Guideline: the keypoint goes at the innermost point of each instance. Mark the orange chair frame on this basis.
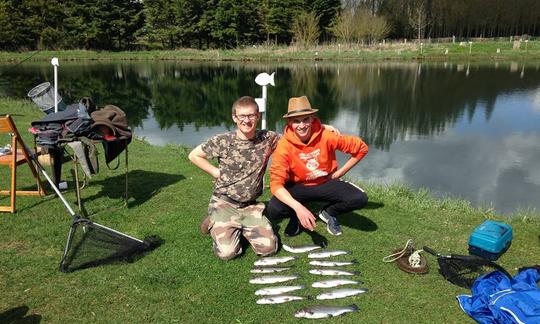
(18, 156)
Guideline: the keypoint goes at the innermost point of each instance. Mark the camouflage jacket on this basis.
(241, 163)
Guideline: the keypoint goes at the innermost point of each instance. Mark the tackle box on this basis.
(490, 239)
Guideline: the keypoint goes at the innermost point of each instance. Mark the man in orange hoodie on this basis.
(304, 168)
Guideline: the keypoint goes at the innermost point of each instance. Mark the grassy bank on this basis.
(183, 282)
(485, 50)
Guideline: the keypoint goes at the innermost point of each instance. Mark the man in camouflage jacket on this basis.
(242, 157)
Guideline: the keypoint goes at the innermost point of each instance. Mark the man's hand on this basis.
(335, 175)
(332, 129)
(305, 217)
(198, 157)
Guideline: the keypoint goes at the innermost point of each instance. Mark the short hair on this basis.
(245, 101)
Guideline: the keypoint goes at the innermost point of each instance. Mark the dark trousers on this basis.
(341, 196)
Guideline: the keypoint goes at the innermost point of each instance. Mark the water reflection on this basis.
(465, 129)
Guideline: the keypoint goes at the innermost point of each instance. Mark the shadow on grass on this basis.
(142, 185)
(316, 237)
(37, 200)
(373, 205)
(358, 222)
(18, 315)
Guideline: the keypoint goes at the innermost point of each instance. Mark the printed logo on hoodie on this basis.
(312, 164)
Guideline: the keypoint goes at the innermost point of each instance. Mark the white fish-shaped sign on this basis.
(280, 299)
(333, 272)
(333, 283)
(269, 261)
(301, 249)
(269, 270)
(264, 78)
(277, 290)
(326, 254)
(325, 263)
(322, 311)
(341, 293)
(272, 279)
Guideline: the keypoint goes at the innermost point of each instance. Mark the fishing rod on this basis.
(19, 63)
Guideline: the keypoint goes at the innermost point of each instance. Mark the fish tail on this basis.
(354, 307)
(354, 261)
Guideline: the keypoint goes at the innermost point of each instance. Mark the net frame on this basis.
(90, 244)
(463, 270)
(134, 247)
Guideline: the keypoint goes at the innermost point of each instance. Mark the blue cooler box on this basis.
(490, 240)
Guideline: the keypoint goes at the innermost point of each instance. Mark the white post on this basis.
(264, 98)
(55, 64)
(264, 79)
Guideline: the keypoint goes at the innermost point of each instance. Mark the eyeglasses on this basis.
(245, 117)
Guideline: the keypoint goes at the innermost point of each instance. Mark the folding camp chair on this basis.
(19, 155)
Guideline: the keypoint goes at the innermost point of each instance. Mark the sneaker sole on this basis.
(328, 230)
(323, 218)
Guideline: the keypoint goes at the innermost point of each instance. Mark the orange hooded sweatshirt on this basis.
(310, 163)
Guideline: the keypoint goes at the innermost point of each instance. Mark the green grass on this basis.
(182, 281)
(396, 51)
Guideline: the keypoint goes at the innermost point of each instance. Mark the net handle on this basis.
(431, 251)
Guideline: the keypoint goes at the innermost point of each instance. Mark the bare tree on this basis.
(306, 29)
(417, 17)
(362, 20)
(379, 28)
(345, 28)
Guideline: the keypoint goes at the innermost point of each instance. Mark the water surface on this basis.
(466, 130)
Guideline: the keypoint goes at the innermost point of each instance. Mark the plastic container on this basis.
(43, 96)
(490, 239)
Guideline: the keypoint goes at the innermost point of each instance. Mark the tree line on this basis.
(203, 24)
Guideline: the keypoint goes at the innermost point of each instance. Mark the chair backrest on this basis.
(8, 126)
(5, 124)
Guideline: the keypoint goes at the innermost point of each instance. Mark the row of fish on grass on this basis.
(270, 269)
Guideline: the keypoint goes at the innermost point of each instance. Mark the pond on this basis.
(466, 130)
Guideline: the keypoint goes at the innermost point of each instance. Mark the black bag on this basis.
(113, 148)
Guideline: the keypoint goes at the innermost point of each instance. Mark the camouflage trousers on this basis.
(228, 222)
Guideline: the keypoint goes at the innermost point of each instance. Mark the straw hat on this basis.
(299, 106)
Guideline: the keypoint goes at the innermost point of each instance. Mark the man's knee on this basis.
(227, 253)
(275, 209)
(266, 248)
(359, 200)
